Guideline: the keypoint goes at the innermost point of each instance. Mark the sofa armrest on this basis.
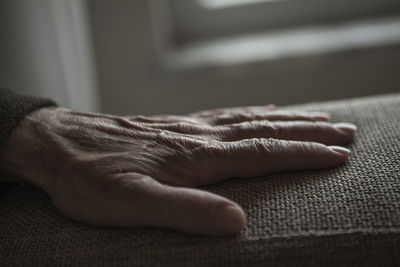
(345, 216)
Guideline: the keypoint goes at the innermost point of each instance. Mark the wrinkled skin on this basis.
(143, 171)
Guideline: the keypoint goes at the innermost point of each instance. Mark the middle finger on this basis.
(321, 132)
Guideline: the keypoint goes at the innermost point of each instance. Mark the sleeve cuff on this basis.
(13, 108)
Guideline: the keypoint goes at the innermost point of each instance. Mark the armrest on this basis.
(344, 216)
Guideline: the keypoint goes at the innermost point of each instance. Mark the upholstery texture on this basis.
(347, 216)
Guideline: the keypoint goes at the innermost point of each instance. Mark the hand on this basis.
(142, 171)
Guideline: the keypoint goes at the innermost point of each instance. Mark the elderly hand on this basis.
(142, 171)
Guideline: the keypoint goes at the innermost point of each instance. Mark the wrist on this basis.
(20, 155)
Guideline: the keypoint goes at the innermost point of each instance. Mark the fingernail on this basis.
(229, 220)
(342, 150)
(349, 128)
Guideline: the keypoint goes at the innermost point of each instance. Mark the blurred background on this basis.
(178, 56)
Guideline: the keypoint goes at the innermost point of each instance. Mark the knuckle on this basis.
(240, 130)
(132, 181)
(181, 126)
(308, 146)
(230, 117)
(178, 143)
(319, 127)
(285, 128)
(189, 143)
(251, 129)
(209, 149)
(270, 129)
(163, 136)
(269, 145)
(265, 145)
(141, 118)
(221, 118)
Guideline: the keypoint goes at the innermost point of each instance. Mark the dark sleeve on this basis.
(13, 108)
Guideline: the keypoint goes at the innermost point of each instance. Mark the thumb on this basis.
(194, 211)
(134, 200)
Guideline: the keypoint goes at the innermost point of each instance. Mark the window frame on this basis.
(190, 22)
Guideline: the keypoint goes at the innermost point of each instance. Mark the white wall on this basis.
(45, 51)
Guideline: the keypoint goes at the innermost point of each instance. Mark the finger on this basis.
(142, 201)
(212, 112)
(195, 211)
(278, 115)
(255, 157)
(182, 127)
(321, 132)
(163, 119)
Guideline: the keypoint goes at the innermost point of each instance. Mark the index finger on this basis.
(259, 156)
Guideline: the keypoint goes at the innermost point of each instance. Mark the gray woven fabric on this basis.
(347, 216)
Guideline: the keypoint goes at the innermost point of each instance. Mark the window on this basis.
(197, 20)
(221, 32)
(287, 63)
